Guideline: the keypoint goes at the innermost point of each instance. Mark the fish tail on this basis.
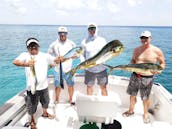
(110, 67)
(33, 91)
(151, 111)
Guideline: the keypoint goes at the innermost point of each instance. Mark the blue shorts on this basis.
(67, 78)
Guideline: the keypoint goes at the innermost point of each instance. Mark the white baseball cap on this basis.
(146, 34)
(62, 29)
(32, 42)
(92, 24)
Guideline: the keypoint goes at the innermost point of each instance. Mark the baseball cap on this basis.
(62, 29)
(32, 42)
(92, 25)
(146, 34)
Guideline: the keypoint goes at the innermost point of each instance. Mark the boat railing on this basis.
(12, 110)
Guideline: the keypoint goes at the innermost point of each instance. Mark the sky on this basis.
(81, 12)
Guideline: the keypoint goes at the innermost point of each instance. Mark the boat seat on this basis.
(98, 109)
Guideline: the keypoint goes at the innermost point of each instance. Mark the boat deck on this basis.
(66, 118)
(66, 115)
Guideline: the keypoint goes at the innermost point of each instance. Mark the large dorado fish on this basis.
(109, 51)
(33, 79)
(76, 51)
(141, 68)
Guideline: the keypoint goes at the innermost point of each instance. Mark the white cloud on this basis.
(21, 11)
(76, 4)
(133, 3)
(93, 4)
(56, 11)
(113, 7)
(72, 6)
(67, 4)
(61, 12)
(17, 6)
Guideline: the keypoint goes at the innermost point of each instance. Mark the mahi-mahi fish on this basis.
(33, 79)
(74, 51)
(141, 68)
(109, 51)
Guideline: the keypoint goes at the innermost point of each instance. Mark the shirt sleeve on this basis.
(51, 49)
(50, 59)
(22, 57)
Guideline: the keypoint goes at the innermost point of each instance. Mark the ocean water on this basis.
(13, 37)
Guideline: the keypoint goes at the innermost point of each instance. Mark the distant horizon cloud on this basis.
(77, 12)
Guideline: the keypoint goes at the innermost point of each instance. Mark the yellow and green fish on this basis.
(33, 79)
(141, 68)
(109, 51)
(74, 51)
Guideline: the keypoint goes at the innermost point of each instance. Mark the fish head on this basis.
(118, 49)
(160, 68)
(116, 46)
(79, 50)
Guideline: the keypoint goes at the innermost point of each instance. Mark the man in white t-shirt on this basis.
(40, 62)
(91, 46)
(59, 48)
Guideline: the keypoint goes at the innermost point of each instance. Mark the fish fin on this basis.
(110, 67)
(111, 71)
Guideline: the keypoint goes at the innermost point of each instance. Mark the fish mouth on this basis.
(79, 51)
(118, 49)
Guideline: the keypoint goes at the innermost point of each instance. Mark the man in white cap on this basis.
(146, 53)
(91, 46)
(59, 48)
(40, 62)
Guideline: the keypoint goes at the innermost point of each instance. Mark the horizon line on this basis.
(86, 25)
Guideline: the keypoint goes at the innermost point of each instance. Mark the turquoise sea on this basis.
(13, 37)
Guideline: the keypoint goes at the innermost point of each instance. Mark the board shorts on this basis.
(142, 83)
(102, 78)
(69, 80)
(32, 100)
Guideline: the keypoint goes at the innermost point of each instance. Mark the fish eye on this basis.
(117, 49)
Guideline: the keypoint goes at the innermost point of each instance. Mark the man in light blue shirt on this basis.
(91, 46)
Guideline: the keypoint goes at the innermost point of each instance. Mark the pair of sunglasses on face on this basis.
(62, 33)
(143, 37)
(92, 28)
(33, 47)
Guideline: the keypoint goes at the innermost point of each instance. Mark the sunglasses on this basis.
(33, 48)
(92, 28)
(62, 33)
(143, 37)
